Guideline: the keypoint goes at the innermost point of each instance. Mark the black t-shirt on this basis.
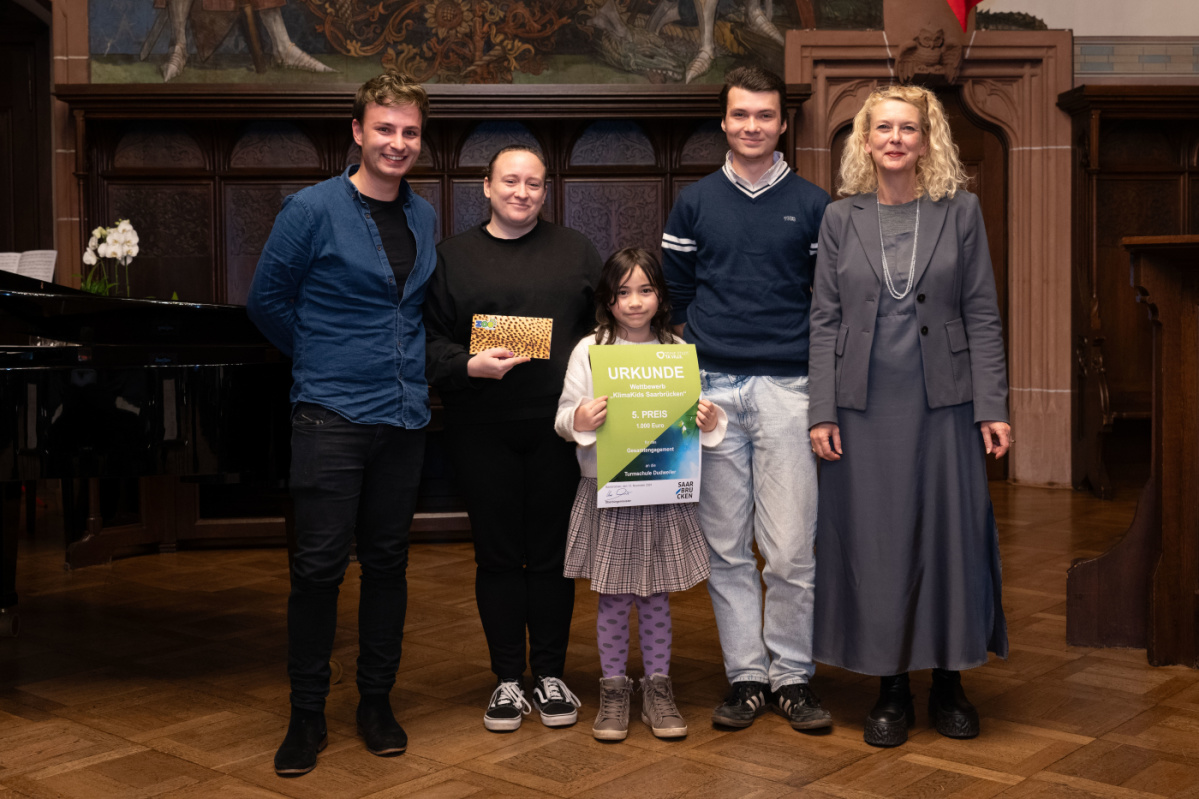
(398, 241)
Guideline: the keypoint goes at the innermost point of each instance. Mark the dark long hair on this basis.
(617, 271)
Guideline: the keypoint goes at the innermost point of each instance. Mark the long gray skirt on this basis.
(907, 551)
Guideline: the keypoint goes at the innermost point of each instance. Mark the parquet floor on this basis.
(163, 676)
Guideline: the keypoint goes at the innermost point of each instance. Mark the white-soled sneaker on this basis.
(555, 702)
(507, 707)
(658, 709)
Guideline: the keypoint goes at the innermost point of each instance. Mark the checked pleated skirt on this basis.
(642, 550)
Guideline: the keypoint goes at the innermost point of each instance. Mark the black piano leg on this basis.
(10, 522)
(31, 508)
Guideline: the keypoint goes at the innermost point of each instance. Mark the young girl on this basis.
(631, 554)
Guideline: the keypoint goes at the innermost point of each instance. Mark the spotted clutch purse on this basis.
(527, 336)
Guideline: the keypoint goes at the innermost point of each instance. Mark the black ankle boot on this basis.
(305, 737)
(378, 726)
(893, 713)
(948, 708)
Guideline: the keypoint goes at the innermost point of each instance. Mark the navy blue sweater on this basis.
(740, 272)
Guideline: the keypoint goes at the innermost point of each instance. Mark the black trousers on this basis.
(519, 480)
(349, 481)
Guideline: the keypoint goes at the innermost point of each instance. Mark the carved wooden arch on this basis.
(1010, 79)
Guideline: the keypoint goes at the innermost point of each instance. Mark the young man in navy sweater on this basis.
(739, 252)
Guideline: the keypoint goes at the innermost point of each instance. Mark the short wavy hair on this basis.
(939, 172)
(388, 89)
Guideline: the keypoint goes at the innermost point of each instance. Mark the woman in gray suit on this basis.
(908, 395)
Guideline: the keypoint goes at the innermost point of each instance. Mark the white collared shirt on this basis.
(777, 172)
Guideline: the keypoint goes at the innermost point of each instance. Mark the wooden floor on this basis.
(164, 676)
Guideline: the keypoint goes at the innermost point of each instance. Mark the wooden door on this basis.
(26, 214)
(984, 155)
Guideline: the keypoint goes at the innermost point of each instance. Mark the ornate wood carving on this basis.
(250, 212)
(706, 146)
(158, 147)
(613, 143)
(615, 214)
(430, 190)
(240, 195)
(470, 205)
(489, 137)
(243, 137)
(175, 228)
(172, 221)
(273, 144)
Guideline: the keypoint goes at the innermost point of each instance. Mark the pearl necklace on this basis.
(883, 247)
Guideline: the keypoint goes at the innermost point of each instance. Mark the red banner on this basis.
(961, 9)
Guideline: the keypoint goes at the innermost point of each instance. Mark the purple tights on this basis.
(653, 628)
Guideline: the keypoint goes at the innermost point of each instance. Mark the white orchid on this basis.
(119, 244)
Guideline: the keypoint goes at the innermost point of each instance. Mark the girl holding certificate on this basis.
(633, 555)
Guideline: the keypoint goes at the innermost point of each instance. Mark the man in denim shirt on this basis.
(339, 288)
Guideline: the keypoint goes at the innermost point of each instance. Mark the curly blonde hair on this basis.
(939, 172)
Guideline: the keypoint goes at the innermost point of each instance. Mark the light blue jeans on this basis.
(759, 484)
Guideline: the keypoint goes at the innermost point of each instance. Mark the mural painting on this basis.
(451, 41)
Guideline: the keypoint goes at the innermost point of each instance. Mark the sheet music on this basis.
(38, 264)
(8, 261)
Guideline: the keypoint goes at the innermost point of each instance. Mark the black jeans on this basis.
(349, 481)
(519, 479)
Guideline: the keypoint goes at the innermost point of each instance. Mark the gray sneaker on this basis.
(658, 710)
(612, 721)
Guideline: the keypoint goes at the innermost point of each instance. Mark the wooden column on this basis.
(1165, 275)
(1142, 591)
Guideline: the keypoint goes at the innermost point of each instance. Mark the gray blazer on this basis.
(956, 308)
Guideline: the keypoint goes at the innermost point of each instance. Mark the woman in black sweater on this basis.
(518, 477)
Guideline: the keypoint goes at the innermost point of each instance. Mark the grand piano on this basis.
(107, 387)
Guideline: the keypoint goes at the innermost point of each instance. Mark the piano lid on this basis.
(47, 310)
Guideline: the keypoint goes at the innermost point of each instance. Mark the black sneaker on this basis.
(745, 702)
(554, 701)
(507, 707)
(798, 704)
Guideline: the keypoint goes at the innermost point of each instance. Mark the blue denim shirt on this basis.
(324, 293)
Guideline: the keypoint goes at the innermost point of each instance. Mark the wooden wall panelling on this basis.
(202, 173)
(617, 213)
(249, 210)
(1135, 174)
(615, 143)
(174, 222)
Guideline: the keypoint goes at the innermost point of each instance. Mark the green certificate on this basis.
(648, 446)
